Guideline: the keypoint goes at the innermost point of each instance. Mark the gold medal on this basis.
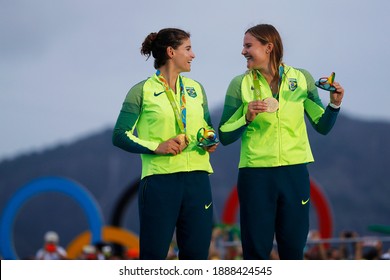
(272, 104)
(183, 141)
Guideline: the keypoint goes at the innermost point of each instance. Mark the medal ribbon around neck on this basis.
(256, 82)
(272, 102)
(180, 113)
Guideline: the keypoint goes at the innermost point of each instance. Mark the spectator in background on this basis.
(132, 254)
(386, 255)
(225, 243)
(371, 249)
(89, 253)
(51, 249)
(103, 251)
(333, 254)
(317, 250)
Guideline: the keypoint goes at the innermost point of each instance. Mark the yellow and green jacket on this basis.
(279, 138)
(147, 119)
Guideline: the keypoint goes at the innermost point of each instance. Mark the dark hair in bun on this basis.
(156, 44)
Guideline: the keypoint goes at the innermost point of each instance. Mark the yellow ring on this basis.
(109, 234)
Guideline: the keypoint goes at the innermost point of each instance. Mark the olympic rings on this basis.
(82, 196)
(98, 232)
(110, 233)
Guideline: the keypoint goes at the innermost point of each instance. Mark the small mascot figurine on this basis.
(326, 83)
(206, 137)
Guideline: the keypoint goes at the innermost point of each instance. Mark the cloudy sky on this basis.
(66, 65)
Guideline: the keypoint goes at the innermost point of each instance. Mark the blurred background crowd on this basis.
(226, 245)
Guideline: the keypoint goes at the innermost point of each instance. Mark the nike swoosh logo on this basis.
(157, 94)
(304, 202)
(207, 206)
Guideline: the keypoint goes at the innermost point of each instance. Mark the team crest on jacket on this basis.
(292, 84)
(191, 92)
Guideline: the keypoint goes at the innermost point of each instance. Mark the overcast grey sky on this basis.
(66, 65)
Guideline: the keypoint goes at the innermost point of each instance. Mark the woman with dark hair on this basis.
(266, 108)
(168, 110)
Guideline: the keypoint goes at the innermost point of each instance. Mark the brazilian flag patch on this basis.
(292, 84)
(191, 92)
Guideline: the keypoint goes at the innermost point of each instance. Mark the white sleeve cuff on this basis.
(334, 106)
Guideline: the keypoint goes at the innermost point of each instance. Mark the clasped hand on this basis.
(254, 108)
(176, 145)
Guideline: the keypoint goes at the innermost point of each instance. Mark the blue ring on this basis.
(82, 196)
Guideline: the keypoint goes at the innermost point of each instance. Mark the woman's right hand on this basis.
(172, 146)
(254, 108)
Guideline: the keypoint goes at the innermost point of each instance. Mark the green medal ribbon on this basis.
(180, 113)
(256, 83)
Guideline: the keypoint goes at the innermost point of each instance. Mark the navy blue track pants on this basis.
(274, 203)
(178, 200)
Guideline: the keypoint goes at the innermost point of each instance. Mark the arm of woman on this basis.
(207, 119)
(322, 119)
(123, 135)
(233, 123)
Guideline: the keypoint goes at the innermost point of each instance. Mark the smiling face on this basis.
(256, 54)
(183, 56)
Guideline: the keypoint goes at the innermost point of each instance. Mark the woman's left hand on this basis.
(337, 96)
(211, 149)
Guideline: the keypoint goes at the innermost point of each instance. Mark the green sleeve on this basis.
(233, 124)
(123, 134)
(320, 118)
(206, 112)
